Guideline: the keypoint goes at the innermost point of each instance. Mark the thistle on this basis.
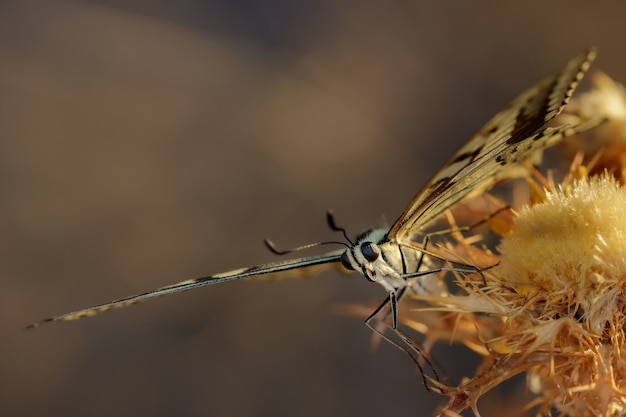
(553, 303)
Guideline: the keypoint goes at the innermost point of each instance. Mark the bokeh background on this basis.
(147, 142)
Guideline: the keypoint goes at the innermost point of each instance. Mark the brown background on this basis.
(142, 143)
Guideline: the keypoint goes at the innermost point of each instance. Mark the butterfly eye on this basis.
(345, 261)
(370, 251)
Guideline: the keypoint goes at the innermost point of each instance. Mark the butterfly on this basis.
(392, 257)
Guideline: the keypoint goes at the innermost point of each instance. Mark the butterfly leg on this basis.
(413, 351)
(465, 268)
(394, 309)
(461, 229)
(393, 300)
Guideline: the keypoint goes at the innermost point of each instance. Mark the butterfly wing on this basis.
(511, 135)
(301, 267)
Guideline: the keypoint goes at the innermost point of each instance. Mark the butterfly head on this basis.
(365, 253)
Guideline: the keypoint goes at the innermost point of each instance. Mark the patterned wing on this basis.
(510, 136)
(298, 267)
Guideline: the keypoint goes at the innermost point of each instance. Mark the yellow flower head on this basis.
(569, 252)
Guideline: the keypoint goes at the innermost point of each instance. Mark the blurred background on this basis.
(147, 142)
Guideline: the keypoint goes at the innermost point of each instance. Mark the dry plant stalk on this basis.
(553, 305)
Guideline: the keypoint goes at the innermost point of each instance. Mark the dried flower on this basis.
(553, 305)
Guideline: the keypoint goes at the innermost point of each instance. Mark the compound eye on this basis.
(370, 251)
(345, 261)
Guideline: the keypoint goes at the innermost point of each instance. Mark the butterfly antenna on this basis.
(275, 250)
(330, 219)
(331, 223)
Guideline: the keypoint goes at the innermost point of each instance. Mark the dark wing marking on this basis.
(302, 266)
(511, 135)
